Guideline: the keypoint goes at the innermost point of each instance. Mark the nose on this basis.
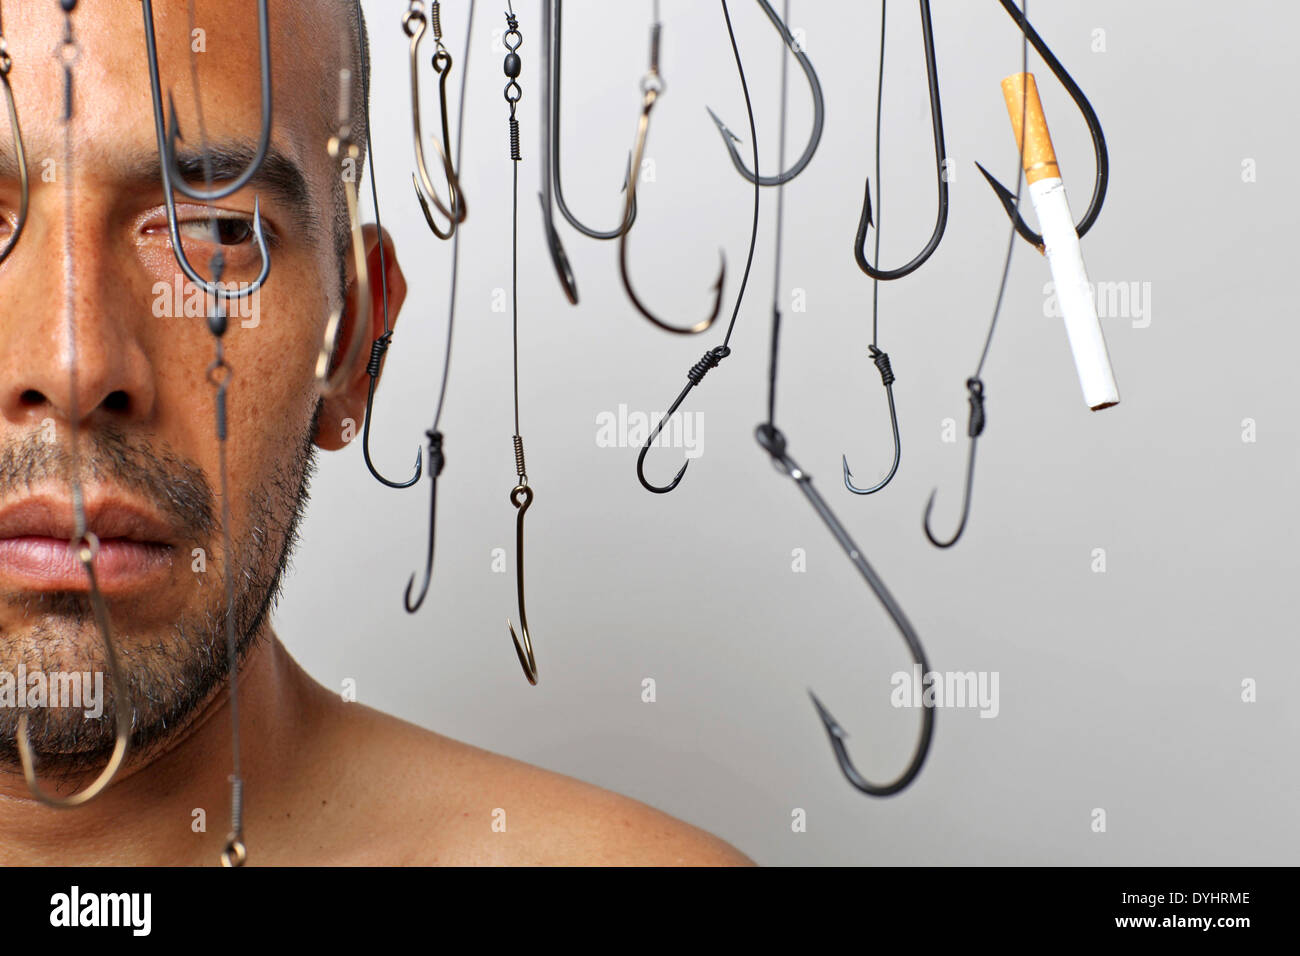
(70, 326)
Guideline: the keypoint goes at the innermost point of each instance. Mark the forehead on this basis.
(112, 99)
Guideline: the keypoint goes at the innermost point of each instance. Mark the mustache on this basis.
(174, 484)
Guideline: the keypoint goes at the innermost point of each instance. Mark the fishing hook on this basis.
(521, 496)
(556, 248)
(940, 158)
(696, 374)
(1005, 196)
(773, 442)
(20, 154)
(974, 426)
(730, 139)
(174, 134)
(342, 149)
(173, 179)
(436, 462)
(887, 378)
(552, 131)
(442, 67)
(651, 86)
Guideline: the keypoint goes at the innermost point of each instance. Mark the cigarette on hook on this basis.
(1061, 242)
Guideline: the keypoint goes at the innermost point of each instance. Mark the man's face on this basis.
(98, 335)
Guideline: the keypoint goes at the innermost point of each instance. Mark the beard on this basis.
(171, 672)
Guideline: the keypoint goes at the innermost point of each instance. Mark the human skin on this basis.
(327, 781)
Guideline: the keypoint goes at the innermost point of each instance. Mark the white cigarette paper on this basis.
(1061, 244)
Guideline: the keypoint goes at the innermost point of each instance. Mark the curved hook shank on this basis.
(974, 427)
(122, 708)
(442, 65)
(174, 134)
(887, 377)
(730, 139)
(941, 218)
(377, 350)
(772, 441)
(694, 376)
(651, 93)
(20, 154)
(521, 496)
(436, 461)
(1100, 153)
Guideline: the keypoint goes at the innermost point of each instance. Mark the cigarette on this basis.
(1061, 242)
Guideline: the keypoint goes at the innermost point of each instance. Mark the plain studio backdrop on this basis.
(1119, 689)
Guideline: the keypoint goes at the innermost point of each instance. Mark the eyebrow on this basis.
(279, 176)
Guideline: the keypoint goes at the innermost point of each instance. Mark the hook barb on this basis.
(730, 139)
(1100, 153)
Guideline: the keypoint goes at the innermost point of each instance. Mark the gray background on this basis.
(1119, 690)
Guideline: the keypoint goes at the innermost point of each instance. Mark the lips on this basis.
(135, 546)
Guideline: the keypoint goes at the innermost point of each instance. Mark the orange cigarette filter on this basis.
(1021, 93)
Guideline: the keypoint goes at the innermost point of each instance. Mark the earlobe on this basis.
(342, 415)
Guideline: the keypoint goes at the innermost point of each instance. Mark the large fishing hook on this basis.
(696, 374)
(887, 378)
(974, 426)
(730, 139)
(551, 130)
(1005, 196)
(173, 178)
(773, 441)
(940, 158)
(521, 496)
(559, 258)
(436, 462)
(651, 86)
(343, 150)
(441, 66)
(20, 154)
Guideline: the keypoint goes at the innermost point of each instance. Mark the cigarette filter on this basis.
(1061, 242)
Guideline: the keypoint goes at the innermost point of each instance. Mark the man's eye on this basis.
(229, 231)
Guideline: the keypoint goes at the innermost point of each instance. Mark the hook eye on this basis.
(521, 496)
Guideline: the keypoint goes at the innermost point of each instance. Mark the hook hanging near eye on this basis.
(651, 86)
(974, 426)
(941, 217)
(730, 139)
(1100, 154)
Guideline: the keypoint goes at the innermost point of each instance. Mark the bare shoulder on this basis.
(447, 802)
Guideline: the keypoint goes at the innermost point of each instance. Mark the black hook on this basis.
(941, 221)
(973, 429)
(435, 469)
(554, 136)
(771, 439)
(377, 350)
(819, 113)
(559, 258)
(887, 378)
(1007, 198)
(696, 374)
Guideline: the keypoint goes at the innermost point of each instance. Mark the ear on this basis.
(350, 401)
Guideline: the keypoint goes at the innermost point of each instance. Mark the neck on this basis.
(172, 806)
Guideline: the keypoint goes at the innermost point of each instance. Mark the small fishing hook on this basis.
(559, 258)
(887, 378)
(696, 374)
(773, 442)
(436, 461)
(552, 131)
(974, 426)
(441, 66)
(173, 136)
(20, 154)
(1005, 196)
(940, 158)
(521, 496)
(651, 86)
(730, 139)
(86, 547)
(173, 179)
(341, 149)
